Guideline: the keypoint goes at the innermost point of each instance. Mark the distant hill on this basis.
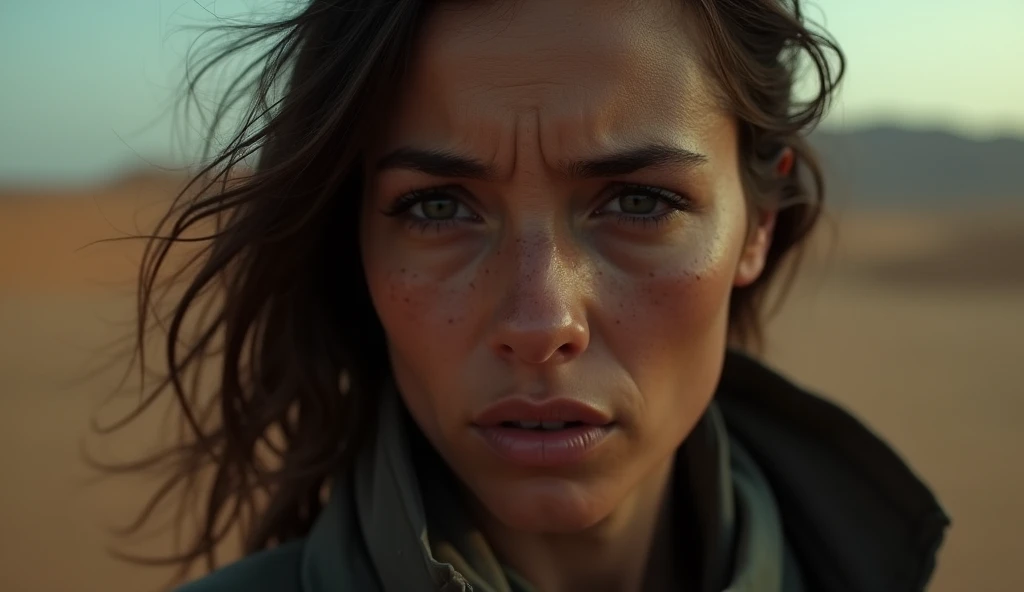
(889, 166)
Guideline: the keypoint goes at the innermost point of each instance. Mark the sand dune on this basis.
(914, 320)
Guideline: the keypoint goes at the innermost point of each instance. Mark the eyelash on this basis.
(406, 202)
(676, 202)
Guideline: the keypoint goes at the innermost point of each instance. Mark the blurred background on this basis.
(909, 311)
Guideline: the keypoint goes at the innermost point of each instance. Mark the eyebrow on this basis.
(443, 163)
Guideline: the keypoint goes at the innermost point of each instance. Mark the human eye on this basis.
(435, 209)
(643, 205)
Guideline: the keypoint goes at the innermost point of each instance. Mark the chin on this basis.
(546, 505)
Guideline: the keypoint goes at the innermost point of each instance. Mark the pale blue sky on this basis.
(82, 82)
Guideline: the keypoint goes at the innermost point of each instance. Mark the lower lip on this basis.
(544, 448)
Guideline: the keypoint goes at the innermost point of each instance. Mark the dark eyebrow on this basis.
(634, 159)
(442, 163)
(438, 163)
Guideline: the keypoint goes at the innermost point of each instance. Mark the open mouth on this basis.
(551, 433)
(545, 443)
(542, 425)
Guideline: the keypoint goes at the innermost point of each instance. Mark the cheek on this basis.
(676, 295)
(672, 311)
(419, 310)
(428, 304)
(690, 291)
(421, 298)
(425, 321)
(666, 324)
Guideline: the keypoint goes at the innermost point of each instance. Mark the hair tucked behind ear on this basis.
(274, 299)
(756, 49)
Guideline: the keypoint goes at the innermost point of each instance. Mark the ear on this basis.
(755, 252)
(784, 162)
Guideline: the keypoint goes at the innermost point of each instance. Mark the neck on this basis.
(631, 549)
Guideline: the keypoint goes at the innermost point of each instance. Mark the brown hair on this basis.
(275, 298)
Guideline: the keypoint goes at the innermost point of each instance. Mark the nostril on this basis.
(538, 347)
(568, 351)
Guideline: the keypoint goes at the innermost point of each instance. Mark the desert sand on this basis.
(913, 320)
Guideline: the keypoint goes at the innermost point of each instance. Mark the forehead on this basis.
(583, 71)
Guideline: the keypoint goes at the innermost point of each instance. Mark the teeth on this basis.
(553, 425)
(529, 425)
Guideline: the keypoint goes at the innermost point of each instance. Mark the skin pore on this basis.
(555, 210)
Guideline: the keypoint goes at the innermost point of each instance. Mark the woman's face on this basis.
(554, 217)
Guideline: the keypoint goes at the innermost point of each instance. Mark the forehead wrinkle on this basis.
(473, 78)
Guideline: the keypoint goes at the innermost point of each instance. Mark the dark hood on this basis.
(856, 516)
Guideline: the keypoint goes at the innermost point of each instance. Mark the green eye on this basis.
(643, 204)
(638, 204)
(439, 209)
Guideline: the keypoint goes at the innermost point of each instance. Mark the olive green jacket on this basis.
(789, 494)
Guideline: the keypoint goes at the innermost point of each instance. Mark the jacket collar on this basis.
(372, 535)
(856, 516)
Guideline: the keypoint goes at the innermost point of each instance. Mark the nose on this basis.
(542, 315)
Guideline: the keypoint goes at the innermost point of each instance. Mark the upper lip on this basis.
(564, 410)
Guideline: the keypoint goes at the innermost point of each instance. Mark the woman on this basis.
(480, 306)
